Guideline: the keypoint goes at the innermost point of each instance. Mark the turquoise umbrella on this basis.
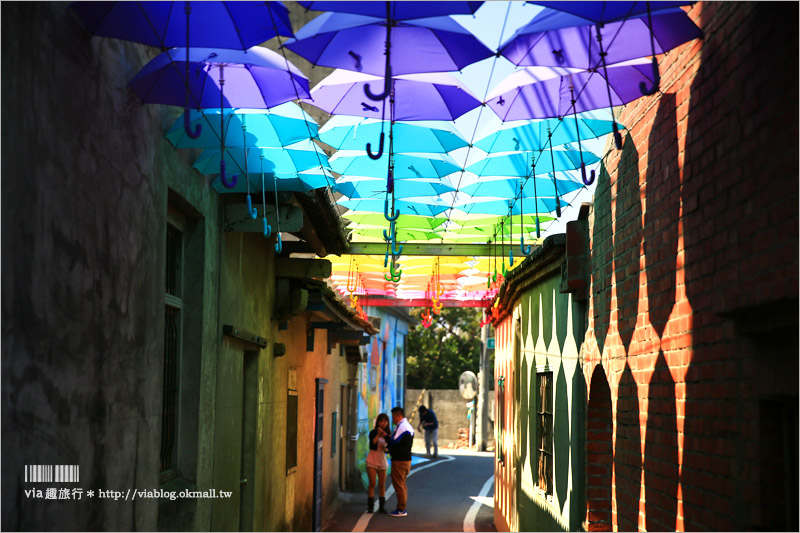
(531, 135)
(345, 132)
(532, 187)
(376, 188)
(519, 164)
(502, 207)
(423, 166)
(283, 162)
(429, 208)
(281, 126)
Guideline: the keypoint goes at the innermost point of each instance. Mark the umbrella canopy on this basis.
(231, 25)
(429, 208)
(544, 92)
(375, 221)
(519, 164)
(283, 125)
(516, 136)
(352, 133)
(258, 78)
(601, 12)
(531, 186)
(400, 10)
(437, 96)
(571, 45)
(282, 162)
(304, 181)
(376, 188)
(418, 166)
(356, 42)
(502, 207)
(402, 235)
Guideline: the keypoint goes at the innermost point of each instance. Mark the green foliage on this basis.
(437, 356)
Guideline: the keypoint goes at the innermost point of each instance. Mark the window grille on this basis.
(544, 434)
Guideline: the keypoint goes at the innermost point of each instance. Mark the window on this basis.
(291, 430)
(172, 350)
(544, 433)
(333, 434)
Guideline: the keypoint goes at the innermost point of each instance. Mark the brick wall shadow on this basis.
(628, 453)
(627, 238)
(598, 453)
(661, 469)
(601, 250)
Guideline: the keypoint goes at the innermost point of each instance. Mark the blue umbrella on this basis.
(532, 187)
(525, 135)
(429, 208)
(258, 79)
(283, 162)
(376, 188)
(304, 181)
(233, 25)
(424, 166)
(501, 207)
(352, 133)
(356, 42)
(602, 12)
(399, 10)
(519, 164)
(281, 126)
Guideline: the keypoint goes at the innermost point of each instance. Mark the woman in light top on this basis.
(376, 462)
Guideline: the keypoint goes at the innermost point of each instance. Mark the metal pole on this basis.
(482, 411)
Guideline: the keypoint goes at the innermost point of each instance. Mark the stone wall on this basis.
(451, 411)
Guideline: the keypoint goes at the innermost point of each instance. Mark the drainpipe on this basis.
(482, 411)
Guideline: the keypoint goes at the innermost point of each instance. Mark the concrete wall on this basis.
(451, 411)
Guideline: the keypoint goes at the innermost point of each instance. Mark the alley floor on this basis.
(454, 493)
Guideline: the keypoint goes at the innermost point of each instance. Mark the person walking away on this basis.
(399, 446)
(376, 462)
(429, 422)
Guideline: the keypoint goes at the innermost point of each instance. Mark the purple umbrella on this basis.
(432, 96)
(258, 78)
(540, 92)
(604, 12)
(233, 25)
(400, 10)
(356, 42)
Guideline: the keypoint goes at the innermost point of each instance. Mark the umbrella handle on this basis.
(267, 229)
(395, 251)
(228, 184)
(656, 80)
(392, 232)
(617, 136)
(525, 250)
(387, 87)
(187, 126)
(510, 258)
(252, 211)
(279, 245)
(538, 232)
(386, 212)
(583, 175)
(380, 149)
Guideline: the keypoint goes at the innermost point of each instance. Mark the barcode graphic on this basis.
(52, 473)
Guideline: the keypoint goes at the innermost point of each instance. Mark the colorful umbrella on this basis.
(420, 166)
(258, 78)
(602, 12)
(232, 25)
(399, 10)
(436, 96)
(375, 221)
(352, 133)
(407, 188)
(533, 187)
(525, 136)
(429, 208)
(357, 42)
(283, 125)
(519, 164)
(282, 162)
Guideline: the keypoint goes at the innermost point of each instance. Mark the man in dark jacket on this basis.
(399, 445)
(429, 422)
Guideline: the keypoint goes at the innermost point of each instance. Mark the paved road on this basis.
(454, 493)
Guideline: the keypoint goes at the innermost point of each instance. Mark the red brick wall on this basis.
(694, 238)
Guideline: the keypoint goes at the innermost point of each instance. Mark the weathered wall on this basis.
(691, 352)
(86, 170)
(451, 411)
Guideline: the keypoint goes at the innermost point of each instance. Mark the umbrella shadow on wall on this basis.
(627, 452)
(601, 262)
(661, 218)
(627, 238)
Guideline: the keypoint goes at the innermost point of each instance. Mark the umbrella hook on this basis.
(395, 251)
(279, 243)
(267, 229)
(386, 215)
(187, 123)
(617, 135)
(656, 76)
(392, 231)
(250, 210)
(228, 184)
(380, 149)
(387, 78)
(578, 133)
(524, 250)
(553, 164)
(535, 195)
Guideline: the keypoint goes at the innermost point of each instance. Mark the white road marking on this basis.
(364, 519)
(469, 520)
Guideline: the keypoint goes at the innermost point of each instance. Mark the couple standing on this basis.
(398, 444)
